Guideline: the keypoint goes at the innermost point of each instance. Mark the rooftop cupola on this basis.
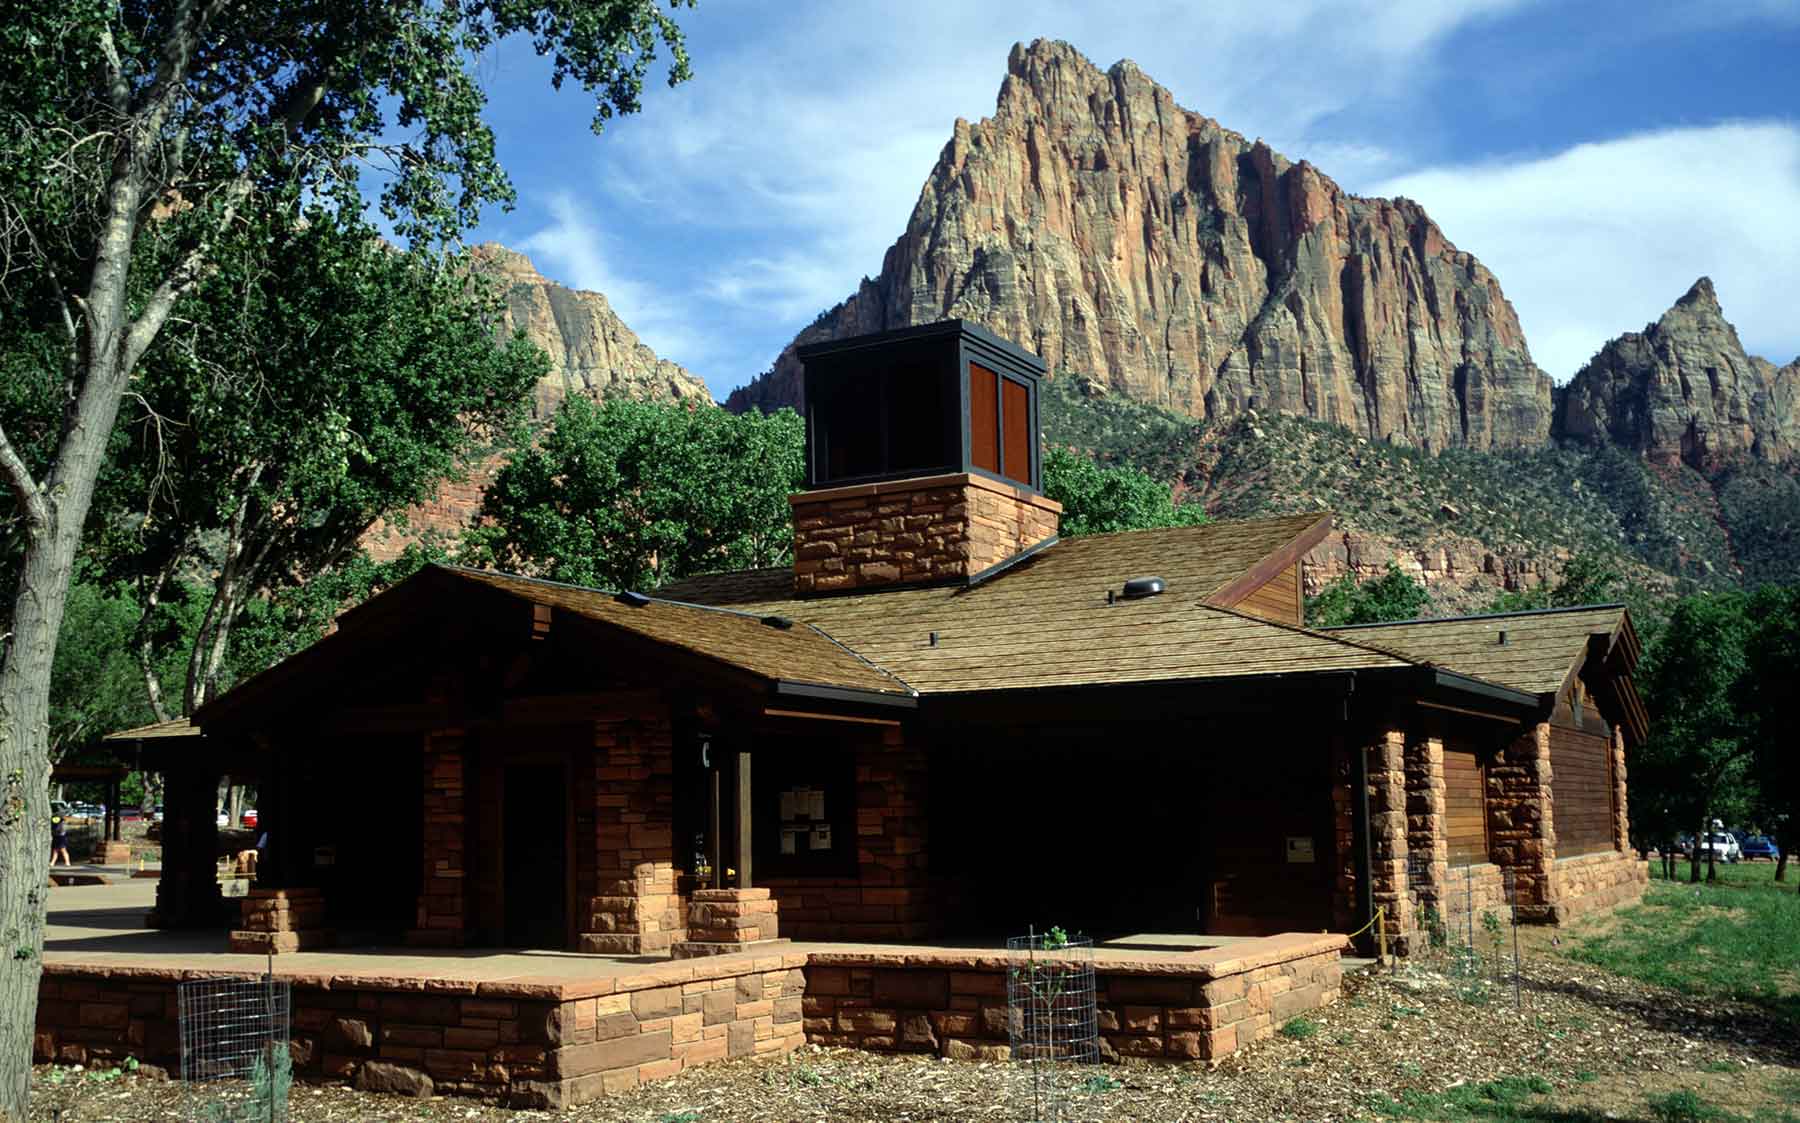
(922, 459)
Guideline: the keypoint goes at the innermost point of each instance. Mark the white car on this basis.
(1721, 846)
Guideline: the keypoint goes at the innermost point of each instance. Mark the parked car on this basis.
(1760, 846)
(1721, 847)
(249, 818)
(224, 819)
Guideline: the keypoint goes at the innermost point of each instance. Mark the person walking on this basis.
(59, 840)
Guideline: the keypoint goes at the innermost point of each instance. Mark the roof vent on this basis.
(781, 622)
(632, 597)
(1140, 587)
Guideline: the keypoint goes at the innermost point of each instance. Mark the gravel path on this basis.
(1391, 1033)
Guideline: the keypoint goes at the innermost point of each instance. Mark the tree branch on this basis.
(118, 89)
(25, 490)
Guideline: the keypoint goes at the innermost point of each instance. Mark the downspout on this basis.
(1359, 808)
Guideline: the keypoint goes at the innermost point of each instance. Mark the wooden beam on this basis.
(745, 835)
(717, 832)
(772, 712)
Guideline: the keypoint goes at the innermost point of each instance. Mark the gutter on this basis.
(788, 689)
(1443, 679)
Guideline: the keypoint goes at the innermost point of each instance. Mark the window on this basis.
(999, 424)
(890, 414)
(1581, 791)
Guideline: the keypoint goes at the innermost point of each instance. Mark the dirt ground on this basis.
(1589, 1044)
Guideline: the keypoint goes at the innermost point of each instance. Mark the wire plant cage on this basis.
(1051, 1019)
(235, 1064)
(1469, 921)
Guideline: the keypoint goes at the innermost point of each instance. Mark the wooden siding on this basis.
(1278, 599)
(1582, 791)
(1465, 807)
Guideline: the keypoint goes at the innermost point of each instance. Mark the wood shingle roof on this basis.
(1047, 621)
(1542, 648)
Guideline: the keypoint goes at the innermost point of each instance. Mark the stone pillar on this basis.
(187, 891)
(637, 910)
(282, 920)
(1427, 834)
(443, 906)
(1388, 842)
(1522, 830)
(1621, 813)
(723, 921)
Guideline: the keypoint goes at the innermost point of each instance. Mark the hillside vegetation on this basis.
(1671, 526)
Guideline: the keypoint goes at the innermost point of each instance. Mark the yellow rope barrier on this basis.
(1379, 914)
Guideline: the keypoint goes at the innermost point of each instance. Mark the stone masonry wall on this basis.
(954, 1004)
(637, 909)
(934, 528)
(443, 906)
(541, 1042)
(1593, 882)
(1427, 831)
(533, 1043)
(889, 899)
(1521, 828)
(1389, 848)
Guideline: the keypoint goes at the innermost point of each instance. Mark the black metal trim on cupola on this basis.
(946, 349)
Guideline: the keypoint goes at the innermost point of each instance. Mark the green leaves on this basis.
(635, 494)
(1392, 596)
(1100, 500)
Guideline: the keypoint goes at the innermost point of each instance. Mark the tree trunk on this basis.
(1781, 862)
(1694, 861)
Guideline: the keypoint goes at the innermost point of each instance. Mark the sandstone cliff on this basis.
(1684, 390)
(1134, 242)
(591, 350)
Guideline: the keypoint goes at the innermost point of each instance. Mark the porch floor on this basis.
(101, 926)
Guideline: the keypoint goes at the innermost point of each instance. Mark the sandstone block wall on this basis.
(1521, 826)
(1593, 882)
(281, 920)
(529, 1044)
(637, 908)
(955, 1005)
(934, 528)
(443, 904)
(890, 898)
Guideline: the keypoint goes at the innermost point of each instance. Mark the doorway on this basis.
(535, 856)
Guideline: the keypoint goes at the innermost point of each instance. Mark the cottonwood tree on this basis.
(1695, 765)
(630, 495)
(1768, 697)
(324, 382)
(1395, 595)
(1103, 500)
(135, 137)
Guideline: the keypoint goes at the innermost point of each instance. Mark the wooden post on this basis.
(745, 838)
(717, 833)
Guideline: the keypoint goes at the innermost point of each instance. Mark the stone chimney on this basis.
(922, 460)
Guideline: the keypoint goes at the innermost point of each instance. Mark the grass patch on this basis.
(1510, 1097)
(1300, 1028)
(1733, 938)
(1100, 1083)
(1684, 1106)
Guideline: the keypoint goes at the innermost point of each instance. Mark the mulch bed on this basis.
(1411, 1030)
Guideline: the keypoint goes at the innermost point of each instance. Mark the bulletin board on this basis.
(804, 809)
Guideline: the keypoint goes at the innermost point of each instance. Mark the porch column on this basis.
(1522, 830)
(637, 910)
(187, 891)
(443, 909)
(1388, 841)
(1427, 837)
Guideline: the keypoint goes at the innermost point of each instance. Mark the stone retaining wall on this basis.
(528, 1043)
(954, 1003)
(550, 1043)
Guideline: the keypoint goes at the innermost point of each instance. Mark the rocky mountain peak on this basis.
(1684, 389)
(591, 349)
(1145, 247)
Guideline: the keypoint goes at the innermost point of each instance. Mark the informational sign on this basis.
(821, 837)
(802, 803)
(1300, 850)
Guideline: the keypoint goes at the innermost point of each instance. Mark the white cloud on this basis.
(796, 154)
(1600, 239)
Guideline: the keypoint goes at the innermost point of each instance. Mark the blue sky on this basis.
(1597, 155)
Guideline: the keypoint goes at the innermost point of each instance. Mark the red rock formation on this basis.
(1132, 241)
(1684, 390)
